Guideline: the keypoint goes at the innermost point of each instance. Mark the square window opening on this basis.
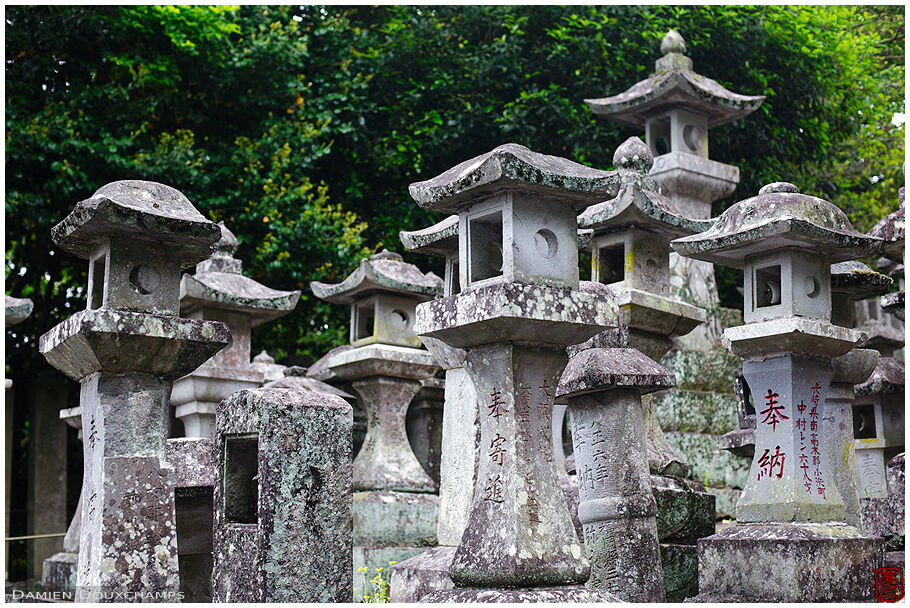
(486, 243)
(365, 321)
(767, 286)
(96, 298)
(612, 265)
(240, 482)
(864, 422)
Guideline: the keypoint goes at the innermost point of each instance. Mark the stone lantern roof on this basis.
(888, 377)
(778, 217)
(296, 377)
(674, 84)
(595, 369)
(858, 281)
(218, 284)
(891, 229)
(137, 209)
(385, 272)
(514, 167)
(439, 239)
(639, 202)
(17, 310)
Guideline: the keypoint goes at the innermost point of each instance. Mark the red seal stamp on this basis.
(889, 584)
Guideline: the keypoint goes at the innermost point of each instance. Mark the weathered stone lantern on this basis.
(676, 107)
(218, 291)
(518, 308)
(394, 508)
(630, 254)
(126, 349)
(878, 425)
(791, 516)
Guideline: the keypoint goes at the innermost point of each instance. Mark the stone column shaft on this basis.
(519, 532)
(129, 501)
(460, 449)
(837, 419)
(616, 502)
(386, 459)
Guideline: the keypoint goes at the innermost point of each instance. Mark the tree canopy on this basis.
(301, 127)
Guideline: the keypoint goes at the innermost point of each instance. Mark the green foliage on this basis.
(301, 127)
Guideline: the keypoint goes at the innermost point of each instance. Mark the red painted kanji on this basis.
(774, 412)
(768, 461)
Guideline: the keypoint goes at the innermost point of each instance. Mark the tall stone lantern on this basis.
(218, 291)
(518, 308)
(394, 505)
(675, 106)
(126, 349)
(791, 524)
(630, 254)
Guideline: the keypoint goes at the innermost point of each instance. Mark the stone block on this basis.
(684, 514)
(680, 566)
(791, 562)
(388, 519)
(725, 500)
(283, 507)
(696, 411)
(421, 575)
(58, 572)
(716, 467)
(702, 370)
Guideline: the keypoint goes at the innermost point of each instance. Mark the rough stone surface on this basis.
(892, 231)
(439, 239)
(387, 519)
(514, 167)
(616, 507)
(788, 557)
(885, 517)
(283, 498)
(421, 575)
(122, 342)
(710, 465)
(294, 378)
(887, 378)
(17, 310)
(893, 304)
(680, 567)
(264, 363)
(549, 595)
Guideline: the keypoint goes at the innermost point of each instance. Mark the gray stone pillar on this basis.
(616, 502)
(126, 349)
(283, 497)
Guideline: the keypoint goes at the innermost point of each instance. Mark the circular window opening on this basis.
(545, 243)
(144, 279)
(398, 319)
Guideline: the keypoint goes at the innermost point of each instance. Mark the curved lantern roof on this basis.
(439, 239)
(385, 272)
(296, 377)
(638, 204)
(858, 280)
(17, 310)
(141, 210)
(218, 284)
(777, 218)
(513, 167)
(891, 229)
(674, 84)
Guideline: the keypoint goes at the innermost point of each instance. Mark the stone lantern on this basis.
(126, 349)
(630, 254)
(518, 308)
(394, 505)
(878, 425)
(676, 107)
(791, 516)
(218, 291)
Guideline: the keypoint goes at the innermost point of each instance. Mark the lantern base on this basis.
(553, 595)
(788, 562)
